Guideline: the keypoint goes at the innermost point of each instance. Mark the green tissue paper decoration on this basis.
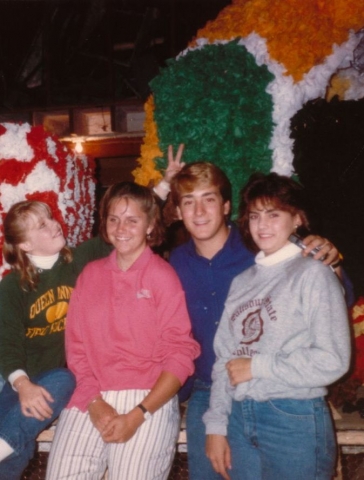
(199, 102)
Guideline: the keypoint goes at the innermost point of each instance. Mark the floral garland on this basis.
(301, 43)
(150, 148)
(299, 34)
(35, 165)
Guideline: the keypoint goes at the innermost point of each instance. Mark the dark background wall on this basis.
(329, 161)
(65, 52)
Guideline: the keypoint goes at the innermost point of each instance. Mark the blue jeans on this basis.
(20, 432)
(281, 439)
(199, 466)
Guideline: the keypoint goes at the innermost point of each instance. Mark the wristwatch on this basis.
(147, 415)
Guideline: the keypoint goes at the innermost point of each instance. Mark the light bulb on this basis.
(79, 147)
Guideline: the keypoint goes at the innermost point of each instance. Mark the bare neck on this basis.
(208, 248)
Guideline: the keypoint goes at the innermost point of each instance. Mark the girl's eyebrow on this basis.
(128, 216)
(268, 210)
(255, 210)
(37, 221)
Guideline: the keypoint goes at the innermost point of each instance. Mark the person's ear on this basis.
(25, 246)
(297, 220)
(150, 228)
(227, 206)
(179, 215)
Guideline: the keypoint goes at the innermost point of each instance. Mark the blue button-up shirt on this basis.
(206, 284)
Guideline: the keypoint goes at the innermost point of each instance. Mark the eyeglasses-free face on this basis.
(127, 227)
(270, 227)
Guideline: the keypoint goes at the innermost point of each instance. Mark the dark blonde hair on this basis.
(16, 224)
(280, 191)
(199, 174)
(144, 197)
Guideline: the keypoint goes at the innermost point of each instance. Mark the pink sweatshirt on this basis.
(125, 328)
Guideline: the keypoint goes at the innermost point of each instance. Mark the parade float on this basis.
(231, 95)
(35, 165)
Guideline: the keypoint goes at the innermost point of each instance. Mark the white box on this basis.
(129, 118)
(92, 121)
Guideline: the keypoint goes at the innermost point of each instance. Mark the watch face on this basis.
(147, 415)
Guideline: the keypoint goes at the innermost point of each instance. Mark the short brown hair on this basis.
(145, 199)
(278, 190)
(198, 174)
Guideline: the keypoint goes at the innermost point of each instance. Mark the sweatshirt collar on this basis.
(139, 263)
(288, 251)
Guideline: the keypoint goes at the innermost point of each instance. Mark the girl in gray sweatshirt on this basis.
(283, 337)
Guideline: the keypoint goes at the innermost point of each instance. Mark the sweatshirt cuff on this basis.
(162, 189)
(82, 396)
(179, 370)
(216, 429)
(14, 376)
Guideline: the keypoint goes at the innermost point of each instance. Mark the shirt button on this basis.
(213, 293)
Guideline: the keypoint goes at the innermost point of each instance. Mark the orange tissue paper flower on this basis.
(299, 34)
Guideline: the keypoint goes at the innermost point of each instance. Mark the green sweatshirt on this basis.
(32, 322)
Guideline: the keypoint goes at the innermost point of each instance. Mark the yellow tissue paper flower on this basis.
(147, 172)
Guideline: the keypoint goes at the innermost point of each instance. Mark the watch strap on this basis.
(147, 415)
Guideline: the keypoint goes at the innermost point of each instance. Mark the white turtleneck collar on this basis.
(288, 251)
(45, 263)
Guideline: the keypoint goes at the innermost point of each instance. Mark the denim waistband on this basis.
(315, 401)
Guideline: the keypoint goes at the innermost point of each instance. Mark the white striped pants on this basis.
(78, 451)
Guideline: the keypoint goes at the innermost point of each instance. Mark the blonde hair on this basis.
(16, 225)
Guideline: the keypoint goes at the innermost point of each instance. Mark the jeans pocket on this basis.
(293, 408)
(307, 424)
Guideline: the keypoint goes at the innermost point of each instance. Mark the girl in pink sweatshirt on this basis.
(128, 342)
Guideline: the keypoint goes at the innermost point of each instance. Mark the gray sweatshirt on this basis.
(288, 314)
